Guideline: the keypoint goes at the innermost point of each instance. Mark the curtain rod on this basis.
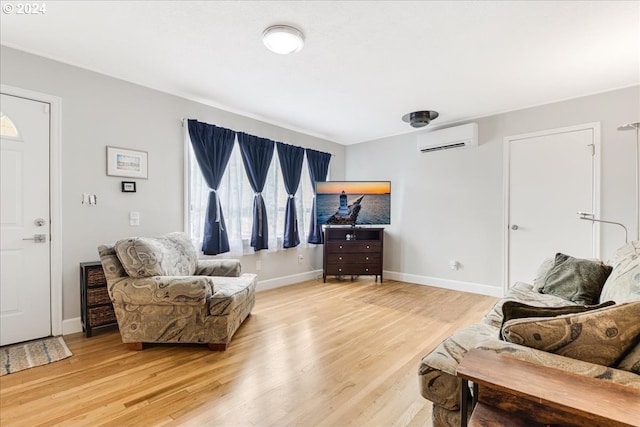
(182, 120)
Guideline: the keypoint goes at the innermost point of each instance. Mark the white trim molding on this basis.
(55, 191)
(278, 282)
(454, 285)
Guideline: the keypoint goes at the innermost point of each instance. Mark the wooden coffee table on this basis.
(510, 392)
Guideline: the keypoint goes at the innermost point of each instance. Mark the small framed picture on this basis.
(128, 186)
(127, 163)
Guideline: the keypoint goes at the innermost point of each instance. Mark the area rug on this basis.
(31, 354)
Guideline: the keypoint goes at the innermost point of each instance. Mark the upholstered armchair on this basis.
(162, 292)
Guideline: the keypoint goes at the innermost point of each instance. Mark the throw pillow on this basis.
(518, 310)
(623, 283)
(599, 336)
(541, 273)
(575, 279)
(169, 255)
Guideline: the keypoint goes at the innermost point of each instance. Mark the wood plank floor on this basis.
(339, 353)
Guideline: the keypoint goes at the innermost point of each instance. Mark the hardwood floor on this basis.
(339, 353)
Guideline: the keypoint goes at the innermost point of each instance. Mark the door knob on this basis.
(514, 227)
(37, 238)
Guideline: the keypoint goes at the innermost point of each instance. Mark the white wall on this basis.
(98, 111)
(445, 205)
(449, 205)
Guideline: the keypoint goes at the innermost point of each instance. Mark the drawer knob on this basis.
(366, 269)
(340, 258)
(368, 246)
(340, 246)
(367, 258)
(339, 269)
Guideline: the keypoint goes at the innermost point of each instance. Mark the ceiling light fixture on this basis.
(419, 119)
(283, 39)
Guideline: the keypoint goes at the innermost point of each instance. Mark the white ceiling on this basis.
(364, 64)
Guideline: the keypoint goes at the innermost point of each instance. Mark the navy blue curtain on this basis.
(256, 156)
(212, 146)
(291, 158)
(318, 163)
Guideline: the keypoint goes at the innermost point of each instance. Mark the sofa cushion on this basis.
(518, 310)
(575, 279)
(169, 255)
(631, 362)
(522, 292)
(600, 336)
(541, 273)
(623, 283)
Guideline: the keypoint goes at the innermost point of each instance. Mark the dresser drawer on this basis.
(354, 269)
(353, 246)
(354, 258)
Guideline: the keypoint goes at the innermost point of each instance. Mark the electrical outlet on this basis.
(454, 265)
(300, 258)
(258, 265)
(134, 219)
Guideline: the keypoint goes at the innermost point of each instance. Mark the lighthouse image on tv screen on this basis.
(353, 202)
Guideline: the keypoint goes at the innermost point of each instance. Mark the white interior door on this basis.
(25, 279)
(551, 176)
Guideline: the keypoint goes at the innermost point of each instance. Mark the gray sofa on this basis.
(162, 292)
(437, 371)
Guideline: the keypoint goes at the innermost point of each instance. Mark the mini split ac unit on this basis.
(462, 136)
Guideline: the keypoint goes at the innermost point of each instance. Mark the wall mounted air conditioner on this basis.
(462, 136)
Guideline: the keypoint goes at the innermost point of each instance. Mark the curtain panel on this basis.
(318, 164)
(212, 146)
(291, 158)
(256, 156)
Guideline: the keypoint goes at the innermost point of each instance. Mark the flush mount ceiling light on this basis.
(419, 119)
(283, 39)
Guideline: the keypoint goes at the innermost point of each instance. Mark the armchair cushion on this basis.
(169, 255)
(218, 267)
(162, 290)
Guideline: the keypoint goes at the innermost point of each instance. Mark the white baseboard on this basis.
(476, 288)
(263, 285)
(71, 326)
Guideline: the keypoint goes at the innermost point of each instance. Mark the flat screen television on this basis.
(353, 202)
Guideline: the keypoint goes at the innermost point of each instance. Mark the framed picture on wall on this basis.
(127, 163)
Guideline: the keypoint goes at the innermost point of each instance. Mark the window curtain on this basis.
(318, 163)
(256, 156)
(212, 146)
(291, 158)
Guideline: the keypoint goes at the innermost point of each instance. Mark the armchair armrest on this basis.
(162, 290)
(218, 267)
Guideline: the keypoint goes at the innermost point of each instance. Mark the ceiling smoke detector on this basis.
(419, 119)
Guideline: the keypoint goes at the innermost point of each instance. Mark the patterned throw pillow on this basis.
(169, 255)
(518, 310)
(575, 279)
(600, 336)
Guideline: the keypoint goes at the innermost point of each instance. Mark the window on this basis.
(236, 198)
(7, 128)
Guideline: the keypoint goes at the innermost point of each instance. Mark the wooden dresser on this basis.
(359, 255)
(96, 308)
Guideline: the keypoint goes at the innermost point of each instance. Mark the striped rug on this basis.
(31, 354)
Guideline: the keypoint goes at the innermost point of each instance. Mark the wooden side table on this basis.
(511, 391)
(96, 307)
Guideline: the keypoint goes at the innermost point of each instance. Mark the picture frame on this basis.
(128, 186)
(127, 163)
